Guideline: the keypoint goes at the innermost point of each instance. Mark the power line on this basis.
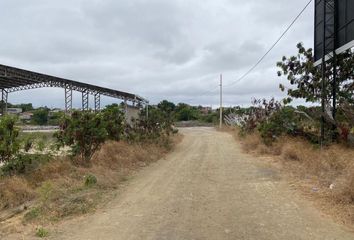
(267, 53)
(272, 47)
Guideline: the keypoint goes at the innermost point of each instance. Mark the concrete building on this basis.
(26, 116)
(14, 111)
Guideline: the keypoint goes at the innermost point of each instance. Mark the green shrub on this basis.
(90, 180)
(9, 143)
(114, 121)
(28, 143)
(40, 116)
(32, 214)
(259, 113)
(155, 128)
(186, 112)
(42, 233)
(283, 121)
(24, 163)
(41, 145)
(84, 132)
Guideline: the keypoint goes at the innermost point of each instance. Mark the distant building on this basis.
(26, 116)
(205, 110)
(54, 111)
(14, 111)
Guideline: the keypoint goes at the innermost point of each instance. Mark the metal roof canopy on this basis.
(14, 79)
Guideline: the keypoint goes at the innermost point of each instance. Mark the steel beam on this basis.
(68, 99)
(14, 79)
(85, 100)
(4, 98)
(97, 96)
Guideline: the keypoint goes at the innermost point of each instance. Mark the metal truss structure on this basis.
(68, 98)
(15, 79)
(4, 97)
(85, 101)
(330, 26)
(97, 102)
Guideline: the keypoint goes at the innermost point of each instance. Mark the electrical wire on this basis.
(265, 55)
(272, 47)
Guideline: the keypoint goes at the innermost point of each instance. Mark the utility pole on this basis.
(334, 84)
(220, 101)
(323, 83)
(147, 110)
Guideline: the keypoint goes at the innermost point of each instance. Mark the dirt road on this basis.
(205, 189)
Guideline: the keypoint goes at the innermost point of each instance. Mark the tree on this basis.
(184, 112)
(306, 79)
(84, 132)
(306, 82)
(283, 121)
(114, 119)
(24, 106)
(167, 107)
(54, 118)
(40, 116)
(9, 144)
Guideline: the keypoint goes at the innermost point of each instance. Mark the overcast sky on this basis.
(159, 49)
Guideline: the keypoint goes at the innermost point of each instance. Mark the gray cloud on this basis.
(158, 49)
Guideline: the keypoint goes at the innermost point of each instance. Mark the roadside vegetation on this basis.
(186, 115)
(292, 134)
(47, 178)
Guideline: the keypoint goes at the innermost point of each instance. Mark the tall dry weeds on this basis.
(15, 191)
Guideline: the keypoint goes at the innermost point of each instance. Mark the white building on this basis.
(14, 110)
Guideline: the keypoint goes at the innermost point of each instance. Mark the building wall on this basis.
(131, 113)
(14, 110)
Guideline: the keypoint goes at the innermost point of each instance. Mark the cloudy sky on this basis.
(159, 49)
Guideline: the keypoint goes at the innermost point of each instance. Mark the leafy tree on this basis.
(9, 143)
(260, 112)
(167, 107)
(84, 132)
(157, 127)
(211, 117)
(185, 112)
(55, 118)
(114, 119)
(24, 106)
(306, 79)
(283, 121)
(40, 116)
(306, 82)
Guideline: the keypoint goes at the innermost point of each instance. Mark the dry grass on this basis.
(330, 169)
(252, 142)
(15, 191)
(58, 187)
